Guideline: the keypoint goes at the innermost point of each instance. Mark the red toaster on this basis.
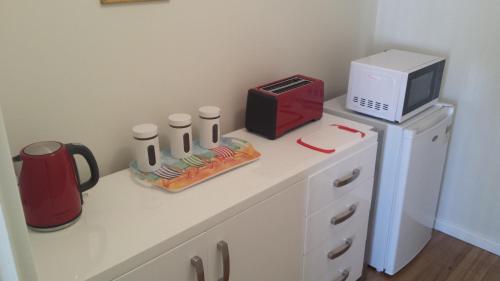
(281, 106)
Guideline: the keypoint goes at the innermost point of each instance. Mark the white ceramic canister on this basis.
(209, 126)
(147, 147)
(180, 135)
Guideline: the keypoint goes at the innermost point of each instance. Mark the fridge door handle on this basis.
(448, 129)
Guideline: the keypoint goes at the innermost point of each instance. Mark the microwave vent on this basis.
(371, 104)
(286, 85)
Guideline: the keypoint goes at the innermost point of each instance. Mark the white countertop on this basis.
(125, 224)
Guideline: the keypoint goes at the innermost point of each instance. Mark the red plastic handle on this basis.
(349, 129)
(327, 151)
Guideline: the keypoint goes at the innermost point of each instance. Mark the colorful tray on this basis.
(176, 175)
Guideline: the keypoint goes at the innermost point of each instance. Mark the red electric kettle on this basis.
(49, 184)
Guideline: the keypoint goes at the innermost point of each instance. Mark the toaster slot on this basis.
(286, 85)
(284, 89)
(281, 83)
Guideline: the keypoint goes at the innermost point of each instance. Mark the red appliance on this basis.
(278, 107)
(50, 185)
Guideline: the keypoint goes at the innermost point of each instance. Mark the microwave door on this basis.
(423, 87)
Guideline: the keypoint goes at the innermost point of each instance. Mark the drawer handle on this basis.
(197, 262)
(333, 254)
(345, 181)
(343, 276)
(224, 248)
(345, 215)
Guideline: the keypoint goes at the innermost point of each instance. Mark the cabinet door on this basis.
(174, 265)
(265, 242)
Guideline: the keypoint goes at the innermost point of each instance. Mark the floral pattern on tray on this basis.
(178, 174)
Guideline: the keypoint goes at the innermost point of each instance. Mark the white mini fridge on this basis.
(410, 164)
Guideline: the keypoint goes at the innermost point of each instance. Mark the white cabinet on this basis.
(277, 240)
(263, 243)
(175, 265)
(337, 218)
(271, 219)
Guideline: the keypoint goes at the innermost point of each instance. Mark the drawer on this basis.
(351, 211)
(340, 178)
(343, 274)
(319, 266)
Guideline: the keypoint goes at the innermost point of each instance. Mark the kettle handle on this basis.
(79, 149)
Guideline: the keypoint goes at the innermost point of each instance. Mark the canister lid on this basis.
(211, 112)
(144, 131)
(179, 120)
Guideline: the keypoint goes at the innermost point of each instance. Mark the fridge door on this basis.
(423, 154)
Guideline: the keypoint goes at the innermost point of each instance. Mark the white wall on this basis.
(16, 262)
(79, 71)
(76, 71)
(7, 263)
(468, 33)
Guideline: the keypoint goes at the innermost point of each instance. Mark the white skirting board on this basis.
(475, 239)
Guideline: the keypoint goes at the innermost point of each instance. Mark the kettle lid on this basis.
(42, 148)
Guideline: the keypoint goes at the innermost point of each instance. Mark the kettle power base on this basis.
(176, 175)
(56, 227)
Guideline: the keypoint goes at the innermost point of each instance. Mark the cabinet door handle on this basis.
(347, 180)
(343, 276)
(197, 262)
(223, 247)
(333, 254)
(345, 215)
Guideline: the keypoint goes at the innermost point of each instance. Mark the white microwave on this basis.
(394, 85)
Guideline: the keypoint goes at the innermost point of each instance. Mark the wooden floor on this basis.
(447, 259)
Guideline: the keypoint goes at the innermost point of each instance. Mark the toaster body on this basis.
(278, 107)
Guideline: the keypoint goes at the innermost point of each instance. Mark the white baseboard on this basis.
(475, 239)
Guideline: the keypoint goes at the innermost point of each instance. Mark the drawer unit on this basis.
(340, 178)
(351, 211)
(344, 253)
(338, 209)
